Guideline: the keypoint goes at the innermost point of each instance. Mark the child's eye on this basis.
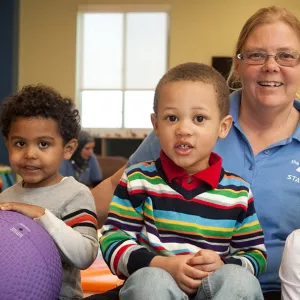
(43, 145)
(172, 118)
(199, 119)
(20, 144)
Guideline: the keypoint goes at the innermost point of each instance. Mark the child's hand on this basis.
(206, 261)
(187, 278)
(31, 211)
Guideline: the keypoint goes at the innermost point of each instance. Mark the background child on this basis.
(176, 220)
(40, 129)
(289, 271)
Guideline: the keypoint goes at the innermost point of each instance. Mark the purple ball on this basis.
(30, 264)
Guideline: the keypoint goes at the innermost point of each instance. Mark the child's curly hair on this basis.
(41, 101)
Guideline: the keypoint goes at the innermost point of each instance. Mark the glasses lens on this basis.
(255, 58)
(287, 58)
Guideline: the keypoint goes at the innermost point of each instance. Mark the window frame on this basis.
(95, 8)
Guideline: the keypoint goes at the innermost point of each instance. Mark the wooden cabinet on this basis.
(112, 146)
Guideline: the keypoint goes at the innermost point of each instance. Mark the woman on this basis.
(263, 145)
(83, 165)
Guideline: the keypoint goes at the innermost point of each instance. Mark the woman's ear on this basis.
(225, 126)
(69, 148)
(236, 68)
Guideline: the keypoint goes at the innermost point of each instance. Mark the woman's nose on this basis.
(271, 65)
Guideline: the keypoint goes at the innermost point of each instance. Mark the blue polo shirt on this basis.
(274, 175)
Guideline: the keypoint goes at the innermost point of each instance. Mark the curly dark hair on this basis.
(41, 101)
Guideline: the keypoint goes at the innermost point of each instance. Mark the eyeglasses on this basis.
(287, 59)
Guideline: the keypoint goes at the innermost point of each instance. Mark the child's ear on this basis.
(154, 123)
(69, 148)
(225, 126)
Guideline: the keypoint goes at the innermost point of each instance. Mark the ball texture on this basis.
(30, 264)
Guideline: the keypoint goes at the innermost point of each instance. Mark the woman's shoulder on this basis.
(148, 150)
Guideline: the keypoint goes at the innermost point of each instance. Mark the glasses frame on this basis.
(241, 56)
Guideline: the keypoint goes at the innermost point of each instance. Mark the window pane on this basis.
(101, 109)
(138, 108)
(146, 49)
(102, 51)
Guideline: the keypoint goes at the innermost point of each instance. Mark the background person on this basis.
(83, 165)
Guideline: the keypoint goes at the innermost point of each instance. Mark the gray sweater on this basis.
(75, 237)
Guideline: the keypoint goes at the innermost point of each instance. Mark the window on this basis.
(121, 54)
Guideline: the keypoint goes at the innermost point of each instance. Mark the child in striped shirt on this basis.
(182, 227)
(40, 128)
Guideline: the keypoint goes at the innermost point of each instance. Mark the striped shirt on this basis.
(150, 217)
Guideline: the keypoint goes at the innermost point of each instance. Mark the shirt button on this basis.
(189, 180)
(251, 167)
(267, 152)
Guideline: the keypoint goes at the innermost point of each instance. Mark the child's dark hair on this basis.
(35, 101)
(192, 71)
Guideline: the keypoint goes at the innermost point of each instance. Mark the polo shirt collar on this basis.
(296, 134)
(211, 175)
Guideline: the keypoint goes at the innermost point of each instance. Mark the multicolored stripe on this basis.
(82, 217)
(148, 214)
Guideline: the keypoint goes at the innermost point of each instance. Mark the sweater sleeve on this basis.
(76, 234)
(247, 245)
(125, 221)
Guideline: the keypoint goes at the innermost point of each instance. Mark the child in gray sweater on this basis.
(40, 128)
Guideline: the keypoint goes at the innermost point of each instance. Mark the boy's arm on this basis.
(125, 221)
(76, 234)
(247, 246)
(95, 170)
(103, 194)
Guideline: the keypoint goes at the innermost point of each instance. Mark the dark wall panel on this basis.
(9, 40)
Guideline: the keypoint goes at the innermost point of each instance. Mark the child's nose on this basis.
(30, 152)
(184, 128)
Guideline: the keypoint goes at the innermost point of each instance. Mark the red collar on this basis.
(211, 175)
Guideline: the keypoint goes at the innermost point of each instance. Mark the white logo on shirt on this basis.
(293, 177)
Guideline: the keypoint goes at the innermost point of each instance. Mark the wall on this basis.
(9, 20)
(200, 29)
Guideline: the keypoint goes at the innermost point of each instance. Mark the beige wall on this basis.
(200, 29)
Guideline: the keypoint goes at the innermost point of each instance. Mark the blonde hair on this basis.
(266, 15)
